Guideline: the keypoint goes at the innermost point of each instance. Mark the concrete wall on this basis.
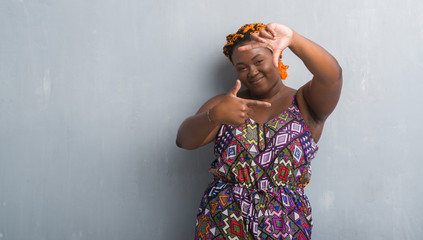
(92, 93)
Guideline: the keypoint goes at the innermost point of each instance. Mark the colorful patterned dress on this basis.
(260, 173)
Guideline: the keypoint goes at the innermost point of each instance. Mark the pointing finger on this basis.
(258, 103)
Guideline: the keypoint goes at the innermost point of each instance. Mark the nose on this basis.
(252, 72)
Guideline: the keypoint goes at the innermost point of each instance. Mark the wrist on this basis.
(293, 40)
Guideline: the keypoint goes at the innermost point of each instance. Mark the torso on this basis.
(260, 173)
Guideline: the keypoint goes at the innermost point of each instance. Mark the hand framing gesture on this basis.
(274, 36)
(234, 110)
(316, 99)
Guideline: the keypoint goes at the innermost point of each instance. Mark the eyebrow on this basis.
(258, 54)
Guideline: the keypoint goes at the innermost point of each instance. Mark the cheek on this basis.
(272, 69)
(241, 75)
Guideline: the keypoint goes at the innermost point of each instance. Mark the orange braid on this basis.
(244, 34)
(282, 69)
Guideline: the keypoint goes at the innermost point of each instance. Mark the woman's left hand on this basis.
(274, 36)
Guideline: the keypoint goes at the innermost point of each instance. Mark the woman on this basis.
(265, 137)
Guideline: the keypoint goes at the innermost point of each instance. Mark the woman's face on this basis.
(255, 69)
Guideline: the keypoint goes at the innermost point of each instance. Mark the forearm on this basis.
(318, 61)
(196, 131)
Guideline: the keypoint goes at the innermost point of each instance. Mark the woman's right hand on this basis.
(233, 110)
(197, 131)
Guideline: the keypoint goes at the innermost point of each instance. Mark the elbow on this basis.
(335, 79)
(335, 73)
(340, 79)
(178, 143)
(183, 139)
(184, 144)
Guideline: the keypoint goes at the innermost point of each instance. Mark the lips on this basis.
(255, 80)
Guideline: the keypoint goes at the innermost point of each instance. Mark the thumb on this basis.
(276, 57)
(236, 88)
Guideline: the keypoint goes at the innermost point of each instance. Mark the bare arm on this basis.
(197, 130)
(321, 94)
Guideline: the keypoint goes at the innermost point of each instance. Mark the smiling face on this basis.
(255, 69)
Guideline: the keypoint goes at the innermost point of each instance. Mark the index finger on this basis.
(258, 103)
(265, 33)
(272, 31)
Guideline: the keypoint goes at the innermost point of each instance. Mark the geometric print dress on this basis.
(259, 173)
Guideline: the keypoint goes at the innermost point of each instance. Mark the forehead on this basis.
(248, 55)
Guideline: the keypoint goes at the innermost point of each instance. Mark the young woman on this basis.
(265, 137)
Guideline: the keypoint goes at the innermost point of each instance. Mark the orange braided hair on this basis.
(243, 35)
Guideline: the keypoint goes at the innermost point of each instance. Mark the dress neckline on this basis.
(278, 115)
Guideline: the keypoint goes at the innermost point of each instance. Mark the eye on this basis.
(242, 69)
(258, 62)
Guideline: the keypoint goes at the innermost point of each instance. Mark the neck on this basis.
(270, 95)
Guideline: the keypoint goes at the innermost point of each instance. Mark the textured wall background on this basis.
(92, 93)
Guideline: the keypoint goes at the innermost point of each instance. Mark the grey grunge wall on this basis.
(92, 93)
